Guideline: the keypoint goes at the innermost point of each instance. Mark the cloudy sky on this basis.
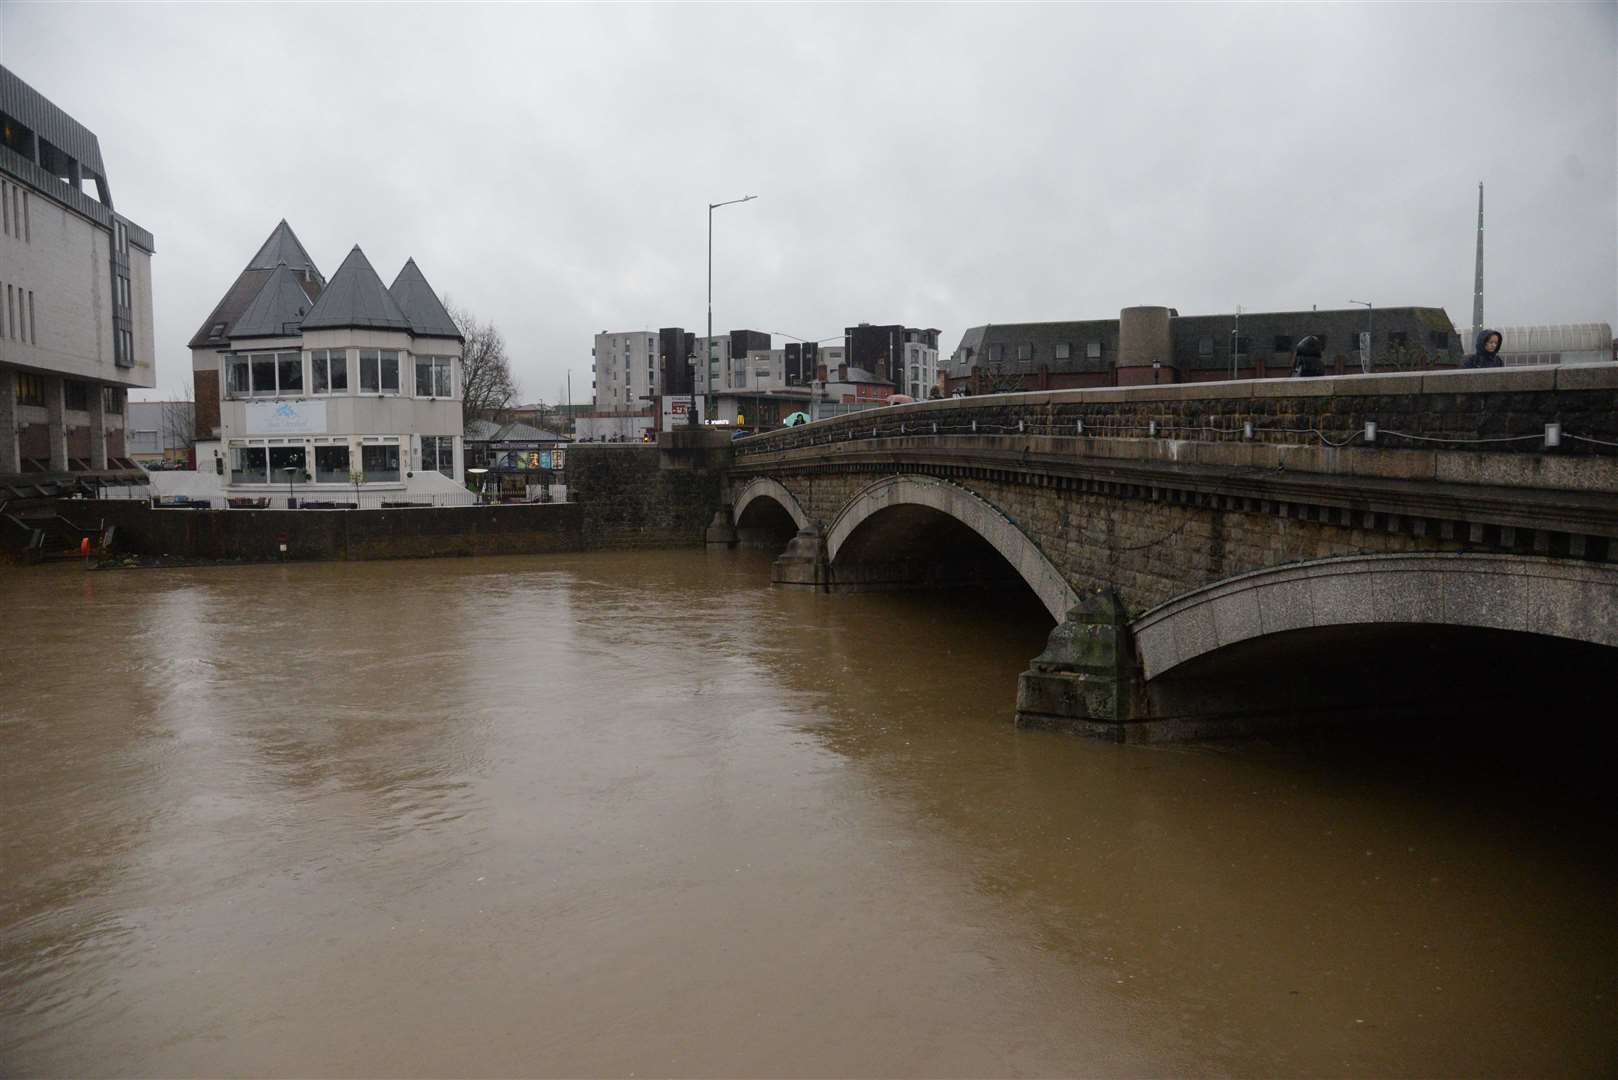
(549, 167)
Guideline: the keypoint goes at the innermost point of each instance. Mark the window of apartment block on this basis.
(381, 463)
(1205, 346)
(331, 465)
(379, 371)
(33, 326)
(75, 395)
(1092, 350)
(283, 458)
(329, 370)
(30, 389)
(433, 376)
(112, 400)
(1064, 350)
(10, 329)
(5, 206)
(247, 465)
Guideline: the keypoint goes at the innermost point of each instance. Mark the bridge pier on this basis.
(720, 532)
(1085, 681)
(803, 563)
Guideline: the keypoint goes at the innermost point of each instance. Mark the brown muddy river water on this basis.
(639, 813)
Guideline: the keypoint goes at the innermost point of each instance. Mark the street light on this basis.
(291, 471)
(708, 341)
(478, 473)
(1370, 328)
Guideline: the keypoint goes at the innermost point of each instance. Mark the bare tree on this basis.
(179, 422)
(487, 386)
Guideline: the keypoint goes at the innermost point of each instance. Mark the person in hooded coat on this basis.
(1306, 359)
(1487, 352)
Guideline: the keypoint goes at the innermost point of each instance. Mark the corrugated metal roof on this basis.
(277, 310)
(488, 431)
(421, 305)
(356, 297)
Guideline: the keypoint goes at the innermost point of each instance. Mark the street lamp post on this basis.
(478, 474)
(707, 347)
(291, 471)
(1370, 329)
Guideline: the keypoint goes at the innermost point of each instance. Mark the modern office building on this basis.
(332, 384)
(1158, 344)
(75, 302)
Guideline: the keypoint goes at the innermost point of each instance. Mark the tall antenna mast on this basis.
(1477, 293)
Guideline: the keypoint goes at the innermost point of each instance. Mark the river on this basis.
(631, 813)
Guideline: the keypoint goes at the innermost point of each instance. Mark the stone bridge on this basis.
(1220, 556)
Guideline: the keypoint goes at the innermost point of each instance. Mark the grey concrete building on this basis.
(75, 301)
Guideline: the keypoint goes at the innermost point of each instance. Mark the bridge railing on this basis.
(1566, 409)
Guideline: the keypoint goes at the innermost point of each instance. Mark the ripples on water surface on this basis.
(639, 813)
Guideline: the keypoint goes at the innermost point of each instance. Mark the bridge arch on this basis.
(763, 487)
(1554, 598)
(971, 510)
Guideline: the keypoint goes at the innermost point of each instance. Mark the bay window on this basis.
(379, 371)
(330, 371)
(433, 377)
(236, 377)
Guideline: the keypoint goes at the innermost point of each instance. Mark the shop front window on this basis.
(283, 458)
(331, 465)
(381, 463)
(247, 465)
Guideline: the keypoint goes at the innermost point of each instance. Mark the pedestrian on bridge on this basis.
(1487, 352)
(1306, 361)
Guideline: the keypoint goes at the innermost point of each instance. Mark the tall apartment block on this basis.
(75, 300)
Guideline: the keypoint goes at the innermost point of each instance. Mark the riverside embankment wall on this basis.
(620, 496)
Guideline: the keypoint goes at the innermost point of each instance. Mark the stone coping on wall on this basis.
(1514, 402)
(1545, 472)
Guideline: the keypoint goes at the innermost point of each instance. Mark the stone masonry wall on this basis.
(416, 532)
(629, 499)
(1153, 550)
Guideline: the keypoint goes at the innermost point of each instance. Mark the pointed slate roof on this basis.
(355, 297)
(281, 246)
(421, 305)
(278, 308)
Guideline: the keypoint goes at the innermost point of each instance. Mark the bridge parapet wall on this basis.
(1502, 410)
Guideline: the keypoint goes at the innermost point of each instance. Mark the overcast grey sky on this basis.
(549, 167)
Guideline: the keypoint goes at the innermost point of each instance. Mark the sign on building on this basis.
(675, 409)
(286, 418)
